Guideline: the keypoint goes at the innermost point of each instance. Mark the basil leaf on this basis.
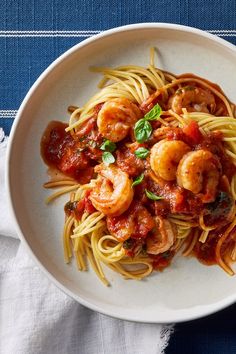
(142, 130)
(108, 158)
(154, 113)
(152, 196)
(108, 146)
(138, 180)
(141, 153)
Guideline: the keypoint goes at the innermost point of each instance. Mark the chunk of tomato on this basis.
(193, 133)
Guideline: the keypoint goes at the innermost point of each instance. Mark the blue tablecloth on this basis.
(34, 32)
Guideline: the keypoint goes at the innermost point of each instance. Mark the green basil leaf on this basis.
(142, 130)
(138, 180)
(108, 146)
(141, 153)
(108, 158)
(154, 113)
(152, 196)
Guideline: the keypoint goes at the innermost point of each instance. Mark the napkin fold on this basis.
(37, 318)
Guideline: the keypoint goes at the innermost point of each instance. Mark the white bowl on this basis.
(186, 290)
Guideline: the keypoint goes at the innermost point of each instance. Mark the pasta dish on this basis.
(149, 165)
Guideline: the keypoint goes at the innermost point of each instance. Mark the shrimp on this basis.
(199, 171)
(163, 238)
(194, 99)
(165, 132)
(112, 193)
(116, 117)
(165, 156)
(135, 223)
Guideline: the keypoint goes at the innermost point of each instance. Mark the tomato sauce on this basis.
(129, 163)
(177, 199)
(135, 223)
(205, 252)
(162, 261)
(74, 156)
(77, 208)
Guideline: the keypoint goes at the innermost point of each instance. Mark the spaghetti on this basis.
(150, 165)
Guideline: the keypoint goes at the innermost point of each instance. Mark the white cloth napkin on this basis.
(37, 318)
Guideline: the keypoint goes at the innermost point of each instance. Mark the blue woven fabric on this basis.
(25, 53)
(35, 32)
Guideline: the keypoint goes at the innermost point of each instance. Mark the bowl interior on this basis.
(187, 289)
